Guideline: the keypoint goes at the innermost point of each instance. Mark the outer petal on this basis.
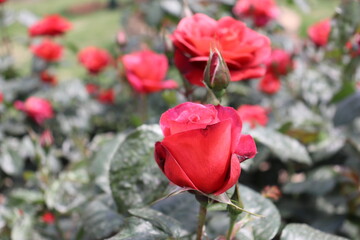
(246, 148)
(225, 113)
(203, 154)
(233, 175)
(193, 71)
(171, 168)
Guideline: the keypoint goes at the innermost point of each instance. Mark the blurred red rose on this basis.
(319, 32)
(146, 70)
(48, 50)
(243, 49)
(94, 59)
(46, 138)
(270, 83)
(48, 218)
(48, 78)
(202, 141)
(2, 1)
(280, 62)
(52, 25)
(106, 96)
(1, 97)
(92, 89)
(36, 108)
(261, 11)
(253, 114)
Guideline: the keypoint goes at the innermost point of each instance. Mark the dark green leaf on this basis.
(135, 179)
(347, 110)
(304, 232)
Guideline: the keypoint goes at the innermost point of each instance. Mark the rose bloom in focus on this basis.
(39, 109)
(94, 59)
(253, 114)
(146, 70)
(48, 50)
(52, 25)
(319, 32)
(260, 11)
(203, 147)
(243, 49)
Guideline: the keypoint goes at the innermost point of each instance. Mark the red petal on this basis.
(233, 175)
(203, 154)
(246, 148)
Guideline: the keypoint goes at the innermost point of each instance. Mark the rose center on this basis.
(194, 118)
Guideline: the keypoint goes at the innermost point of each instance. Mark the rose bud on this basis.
(48, 50)
(253, 114)
(94, 59)
(52, 25)
(48, 218)
(106, 96)
(272, 192)
(48, 78)
(38, 109)
(146, 71)
(203, 147)
(46, 138)
(319, 32)
(121, 38)
(216, 74)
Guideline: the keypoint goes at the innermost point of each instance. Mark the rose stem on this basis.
(231, 228)
(201, 221)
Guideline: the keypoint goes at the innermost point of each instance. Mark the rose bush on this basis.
(146, 70)
(253, 114)
(243, 49)
(202, 141)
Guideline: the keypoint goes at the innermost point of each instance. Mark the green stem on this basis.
(231, 228)
(143, 108)
(201, 221)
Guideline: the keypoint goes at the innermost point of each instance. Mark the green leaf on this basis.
(165, 223)
(347, 110)
(100, 219)
(282, 146)
(10, 160)
(304, 232)
(139, 229)
(135, 179)
(347, 89)
(263, 228)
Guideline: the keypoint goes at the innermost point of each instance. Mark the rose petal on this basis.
(233, 175)
(246, 148)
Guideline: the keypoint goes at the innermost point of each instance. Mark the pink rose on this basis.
(270, 84)
(280, 62)
(203, 147)
(319, 32)
(94, 59)
(243, 49)
(38, 109)
(253, 114)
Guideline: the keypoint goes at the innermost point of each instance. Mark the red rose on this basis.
(106, 96)
(253, 114)
(52, 25)
(261, 11)
(243, 49)
(270, 83)
(1, 97)
(36, 108)
(92, 89)
(319, 32)
(46, 77)
(2, 1)
(48, 50)
(48, 218)
(94, 59)
(146, 70)
(280, 62)
(203, 147)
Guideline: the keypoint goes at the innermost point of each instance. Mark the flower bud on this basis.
(216, 74)
(46, 139)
